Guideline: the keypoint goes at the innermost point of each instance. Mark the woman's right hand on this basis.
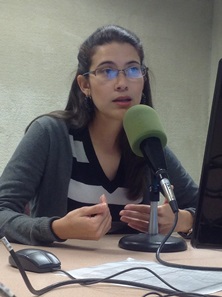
(88, 222)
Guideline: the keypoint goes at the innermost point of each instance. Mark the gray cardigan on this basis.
(43, 178)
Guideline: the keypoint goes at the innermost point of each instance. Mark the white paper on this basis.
(186, 280)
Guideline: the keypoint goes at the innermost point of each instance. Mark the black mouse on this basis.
(36, 260)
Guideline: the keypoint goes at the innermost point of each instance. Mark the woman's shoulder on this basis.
(169, 154)
(47, 122)
(47, 127)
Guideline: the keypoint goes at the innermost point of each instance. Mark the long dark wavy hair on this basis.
(78, 116)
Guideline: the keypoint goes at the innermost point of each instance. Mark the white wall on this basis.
(40, 40)
(216, 53)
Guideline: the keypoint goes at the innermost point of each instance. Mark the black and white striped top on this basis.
(88, 181)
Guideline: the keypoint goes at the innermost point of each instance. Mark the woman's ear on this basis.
(83, 84)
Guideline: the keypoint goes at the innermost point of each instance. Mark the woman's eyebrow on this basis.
(114, 64)
(133, 62)
(105, 63)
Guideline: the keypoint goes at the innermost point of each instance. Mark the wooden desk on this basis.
(75, 254)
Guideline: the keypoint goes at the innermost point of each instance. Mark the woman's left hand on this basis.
(137, 216)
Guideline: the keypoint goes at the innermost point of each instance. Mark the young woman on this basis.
(75, 169)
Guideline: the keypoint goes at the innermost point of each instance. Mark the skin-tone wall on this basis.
(40, 41)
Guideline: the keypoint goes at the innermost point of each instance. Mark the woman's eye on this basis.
(134, 69)
(108, 70)
(104, 71)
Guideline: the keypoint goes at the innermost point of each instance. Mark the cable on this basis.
(177, 294)
(165, 263)
(86, 281)
(91, 281)
(65, 272)
(131, 269)
(5, 292)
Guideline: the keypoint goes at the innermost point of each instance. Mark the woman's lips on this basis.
(122, 99)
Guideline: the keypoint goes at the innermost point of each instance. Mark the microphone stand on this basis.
(150, 242)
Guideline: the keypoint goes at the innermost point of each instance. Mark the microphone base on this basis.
(143, 242)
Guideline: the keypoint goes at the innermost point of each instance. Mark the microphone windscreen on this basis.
(141, 122)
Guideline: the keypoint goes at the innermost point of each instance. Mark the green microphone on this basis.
(141, 122)
(147, 139)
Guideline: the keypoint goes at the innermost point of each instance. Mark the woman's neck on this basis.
(104, 138)
(105, 134)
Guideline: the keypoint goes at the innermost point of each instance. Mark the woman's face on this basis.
(112, 97)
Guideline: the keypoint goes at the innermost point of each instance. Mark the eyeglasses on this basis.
(132, 72)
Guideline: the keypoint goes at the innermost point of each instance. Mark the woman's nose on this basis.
(121, 81)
